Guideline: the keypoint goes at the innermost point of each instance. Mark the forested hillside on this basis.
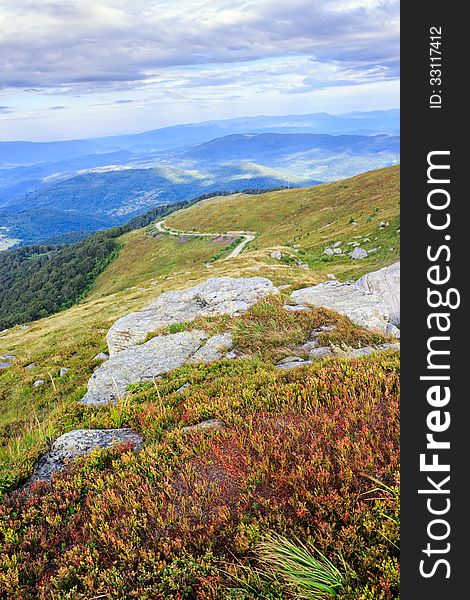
(37, 281)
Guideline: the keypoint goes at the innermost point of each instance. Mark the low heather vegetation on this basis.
(300, 456)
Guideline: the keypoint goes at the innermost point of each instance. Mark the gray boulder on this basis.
(291, 362)
(372, 302)
(77, 443)
(358, 253)
(385, 283)
(363, 308)
(216, 296)
(159, 355)
(320, 353)
(276, 254)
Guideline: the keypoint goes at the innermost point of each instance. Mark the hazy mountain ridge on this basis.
(85, 185)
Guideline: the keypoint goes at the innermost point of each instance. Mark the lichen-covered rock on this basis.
(77, 443)
(159, 355)
(385, 283)
(216, 296)
(364, 309)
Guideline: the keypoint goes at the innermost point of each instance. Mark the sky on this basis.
(85, 68)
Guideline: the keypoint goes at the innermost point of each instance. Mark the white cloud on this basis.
(147, 63)
(80, 44)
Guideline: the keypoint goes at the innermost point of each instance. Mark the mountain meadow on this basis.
(254, 478)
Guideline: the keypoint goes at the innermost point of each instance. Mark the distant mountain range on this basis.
(53, 188)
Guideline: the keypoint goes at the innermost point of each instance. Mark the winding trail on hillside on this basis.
(248, 236)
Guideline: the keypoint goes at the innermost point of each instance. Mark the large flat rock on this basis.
(385, 283)
(364, 309)
(159, 355)
(77, 443)
(216, 296)
(372, 302)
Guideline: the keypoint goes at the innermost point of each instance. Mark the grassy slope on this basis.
(30, 418)
(146, 266)
(313, 218)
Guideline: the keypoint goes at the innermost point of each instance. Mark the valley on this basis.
(74, 187)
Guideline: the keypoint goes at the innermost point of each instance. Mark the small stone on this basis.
(338, 251)
(7, 357)
(290, 359)
(183, 387)
(25, 326)
(309, 346)
(276, 254)
(320, 353)
(209, 425)
(232, 354)
(293, 364)
(365, 351)
(296, 308)
(101, 356)
(336, 244)
(323, 329)
(358, 253)
(284, 287)
(38, 383)
(328, 251)
(330, 276)
(30, 367)
(63, 371)
(5, 365)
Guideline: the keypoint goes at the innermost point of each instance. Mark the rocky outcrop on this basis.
(159, 355)
(216, 296)
(364, 309)
(77, 443)
(385, 283)
(373, 302)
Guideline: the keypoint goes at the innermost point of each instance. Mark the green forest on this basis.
(39, 280)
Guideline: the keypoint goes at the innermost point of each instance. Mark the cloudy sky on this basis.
(77, 68)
